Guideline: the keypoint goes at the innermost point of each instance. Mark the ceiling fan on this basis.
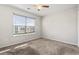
(40, 6)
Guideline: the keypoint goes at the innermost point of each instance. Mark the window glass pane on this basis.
(19, 24)
(19, 20)
(30, 22)
(30, 25)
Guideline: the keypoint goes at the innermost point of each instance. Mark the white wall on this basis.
(6, 26)
(78, 23)
(61, 26)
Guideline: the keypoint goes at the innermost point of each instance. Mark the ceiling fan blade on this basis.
(46, 6)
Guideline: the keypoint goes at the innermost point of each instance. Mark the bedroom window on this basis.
(23, 24)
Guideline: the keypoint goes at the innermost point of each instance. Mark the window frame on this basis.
(25, 24)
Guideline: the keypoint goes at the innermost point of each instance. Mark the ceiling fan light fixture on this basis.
(41, 6)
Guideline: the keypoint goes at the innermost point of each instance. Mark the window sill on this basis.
(23, 34)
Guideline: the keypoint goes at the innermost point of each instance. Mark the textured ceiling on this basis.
(45, 11)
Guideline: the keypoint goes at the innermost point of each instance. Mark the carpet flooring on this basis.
(41, 47)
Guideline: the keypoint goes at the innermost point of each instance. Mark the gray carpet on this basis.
(43, 47)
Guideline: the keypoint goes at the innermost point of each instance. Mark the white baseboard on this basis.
(62, 41)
